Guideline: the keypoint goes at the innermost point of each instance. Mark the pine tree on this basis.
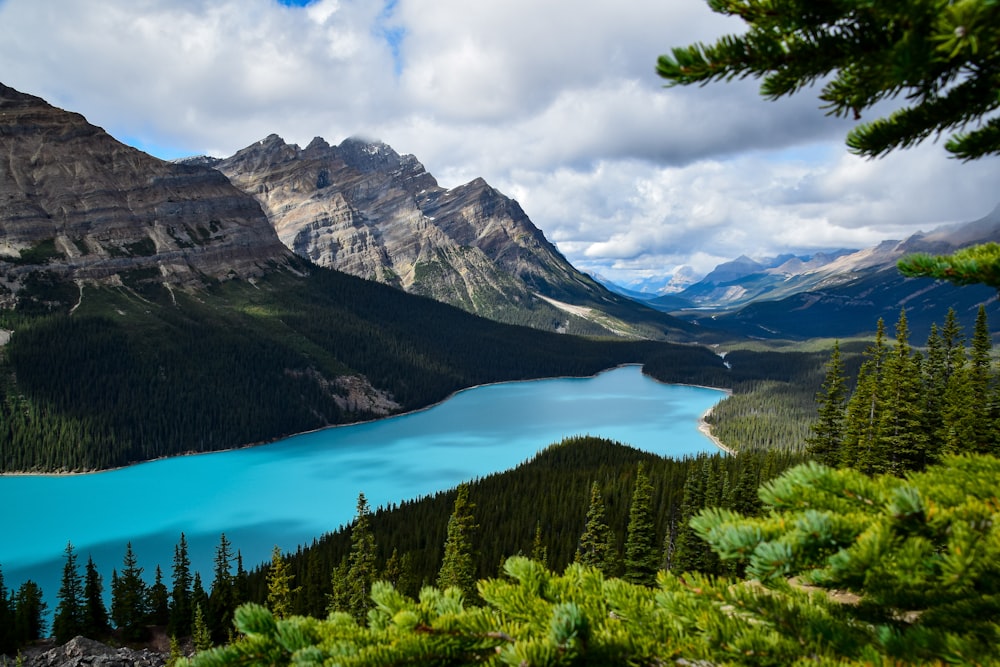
(222, 598)
(68, 620)
(362, 569)
(279, 586)
(30, 611)
(862, 439)
(641, 553)
(968, 410)
(7, 639)
(159, 600)
(175, 652)
(539, 552)
(826, 439)
(129, 598)
(902, 420)
(198, 597)
(688, 548)
(340, 588)
(458, 568)
(181, 608)
(95, 614)
(201, 635)
(597, 543)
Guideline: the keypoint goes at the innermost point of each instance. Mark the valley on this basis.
(153, 309)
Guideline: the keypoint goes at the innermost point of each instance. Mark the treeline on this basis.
(773, 399)
(133, 374)
(539, 509)
(543, 508)
(910, 408)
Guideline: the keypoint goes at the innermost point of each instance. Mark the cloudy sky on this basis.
(554, 102)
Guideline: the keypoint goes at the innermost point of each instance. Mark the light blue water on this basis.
(292, 491)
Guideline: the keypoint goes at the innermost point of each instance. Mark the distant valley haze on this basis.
(556, 105)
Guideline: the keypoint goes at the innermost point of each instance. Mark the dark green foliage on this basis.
(96, 624)
(968, 266)
(826, 437)
(920, 555)
(458, 568)
(908, 409)
(129, 598)
(641, 546)
(933, 54)
(181, 605)
(7, 640)
(279, 586)
(159, 600)
(361, 563)
(132, 377)
(597, 547)
(40, 253)
(68, 620)
(222, 600)
(29, 610)
(516, 502)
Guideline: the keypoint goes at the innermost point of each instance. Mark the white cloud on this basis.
(555, 103)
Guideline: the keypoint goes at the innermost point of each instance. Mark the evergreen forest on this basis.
(141, 372)
(725, 558)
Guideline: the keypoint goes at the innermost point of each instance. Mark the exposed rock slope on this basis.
(362, 208)
(83, 206)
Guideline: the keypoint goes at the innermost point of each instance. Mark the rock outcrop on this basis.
(78, 204)
(362, 208)
(81, 652)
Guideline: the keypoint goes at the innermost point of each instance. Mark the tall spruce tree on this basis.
(7, 640)
(181, 607)
(222, 597)
(597, 546)
(68, 620)
(862, 438)
(30, 610)
(826, 435)
(279, 586)
(129, 598)
(901, 430)
(96, 623)
(642, 556)
(458, 567)
(159, 600)
(968, 424)
(361, 565)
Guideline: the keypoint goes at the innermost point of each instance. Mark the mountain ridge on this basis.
(83, 206)
(362, 208)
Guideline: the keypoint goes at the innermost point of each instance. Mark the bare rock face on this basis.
(80, 651)
(362, 208)
(77, 203)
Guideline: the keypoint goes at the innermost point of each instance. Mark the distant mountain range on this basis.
(836, 293)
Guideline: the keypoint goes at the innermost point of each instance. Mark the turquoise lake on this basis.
(288, 492)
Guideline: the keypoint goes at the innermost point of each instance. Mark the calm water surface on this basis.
(291, 491)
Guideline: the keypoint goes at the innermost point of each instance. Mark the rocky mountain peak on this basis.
(79, 205)
(362, 208)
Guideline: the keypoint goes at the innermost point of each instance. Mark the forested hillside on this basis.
(140, 372)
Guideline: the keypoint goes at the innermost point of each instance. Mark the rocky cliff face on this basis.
(80, 652)
(362, 208)
(81, 205)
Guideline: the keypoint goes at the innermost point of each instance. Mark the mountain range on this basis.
(361, 208)
(837, 293)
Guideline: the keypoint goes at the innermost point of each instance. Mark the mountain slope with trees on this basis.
(152, 310)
